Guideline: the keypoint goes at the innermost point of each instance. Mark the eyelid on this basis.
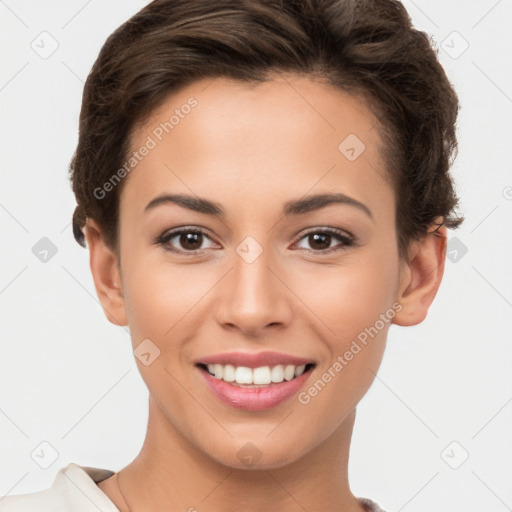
(326, 229)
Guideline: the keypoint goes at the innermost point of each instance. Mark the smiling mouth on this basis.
(263, 376)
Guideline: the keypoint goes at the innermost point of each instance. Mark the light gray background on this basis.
(67, 376)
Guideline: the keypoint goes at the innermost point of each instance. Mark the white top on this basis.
(74, 489)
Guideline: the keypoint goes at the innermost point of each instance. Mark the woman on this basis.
(264, 189)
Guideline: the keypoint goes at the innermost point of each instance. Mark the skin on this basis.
(251, 149)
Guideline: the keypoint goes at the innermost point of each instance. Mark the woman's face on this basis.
(281, 250)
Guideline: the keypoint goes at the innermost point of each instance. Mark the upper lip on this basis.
(254, 360)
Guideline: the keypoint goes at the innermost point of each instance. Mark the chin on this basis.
(257, 454)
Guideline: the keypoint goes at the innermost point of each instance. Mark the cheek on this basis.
(162, 297)
(351, 297)
(163, 305)
(357, 304)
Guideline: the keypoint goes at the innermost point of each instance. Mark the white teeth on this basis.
(229, 373)
(218, 370)
(243, 375)
(261, 376)
(278, 373)
(289, 372)
(300, 370)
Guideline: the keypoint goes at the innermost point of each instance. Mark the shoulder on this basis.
(74, 488)
(368, 504)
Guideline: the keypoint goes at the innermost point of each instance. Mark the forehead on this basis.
(289, 135)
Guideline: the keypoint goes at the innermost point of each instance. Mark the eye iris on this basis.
(188, 239)
(324, 240)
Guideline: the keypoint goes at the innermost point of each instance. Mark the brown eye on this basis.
(184, 240)
(190, 241)
(321, 240)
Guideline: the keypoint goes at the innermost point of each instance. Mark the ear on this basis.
(106, 274)
(421, 276)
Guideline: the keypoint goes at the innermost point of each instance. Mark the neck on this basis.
(171, 474)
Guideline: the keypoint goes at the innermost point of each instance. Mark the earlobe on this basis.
(105, 273)
(421, 276)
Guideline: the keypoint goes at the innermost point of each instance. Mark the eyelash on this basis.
(347, 240)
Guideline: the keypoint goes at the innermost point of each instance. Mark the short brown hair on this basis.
(368, 48)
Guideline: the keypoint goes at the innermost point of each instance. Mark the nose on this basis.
(253, 297)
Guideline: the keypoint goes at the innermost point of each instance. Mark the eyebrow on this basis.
(294, 207)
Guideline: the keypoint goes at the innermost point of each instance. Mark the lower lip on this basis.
(254, 399)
